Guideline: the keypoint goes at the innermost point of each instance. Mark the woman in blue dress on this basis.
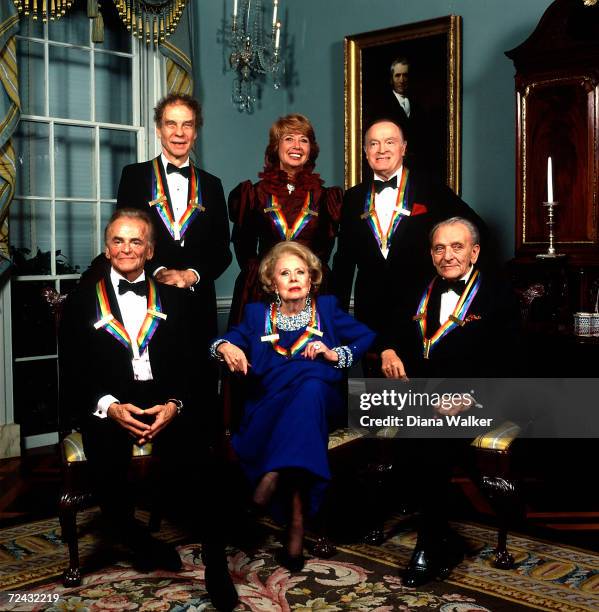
(294, 351)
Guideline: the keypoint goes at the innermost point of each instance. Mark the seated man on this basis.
(125, 369)
(463, 326)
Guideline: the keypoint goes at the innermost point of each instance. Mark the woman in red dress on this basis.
(289, 202)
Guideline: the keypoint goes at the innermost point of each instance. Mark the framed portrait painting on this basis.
(412, 75)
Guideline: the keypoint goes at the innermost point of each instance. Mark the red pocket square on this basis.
(419, 209)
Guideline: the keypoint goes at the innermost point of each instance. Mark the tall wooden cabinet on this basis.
(557, 115)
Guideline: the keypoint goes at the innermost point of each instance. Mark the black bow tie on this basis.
(445, 284)
(183, 171)
(380, 185)
(139, 288)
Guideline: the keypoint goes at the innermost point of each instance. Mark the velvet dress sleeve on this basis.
(242, 202)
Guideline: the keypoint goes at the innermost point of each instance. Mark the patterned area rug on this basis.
(359, 577)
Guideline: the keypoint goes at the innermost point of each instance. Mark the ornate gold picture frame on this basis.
(433, 50)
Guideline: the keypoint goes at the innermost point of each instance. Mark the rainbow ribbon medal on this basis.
(115, 328)
(303, 218)
(399, 212)
(160, 201)
(455, 319)
(271, 334)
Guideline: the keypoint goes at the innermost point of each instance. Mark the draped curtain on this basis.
(9, 117)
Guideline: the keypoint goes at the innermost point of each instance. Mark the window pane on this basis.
(75, 231)
(72, 28)
(28, 27)
(33, 325)
(73, 156)
(36, 396)
(113, 89)
(30, 236)
(106, 210)
(117, 149)
(30, 57)
(116, 37)
(33, 164)
(70, 84)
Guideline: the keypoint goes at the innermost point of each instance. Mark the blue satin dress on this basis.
(293, 402)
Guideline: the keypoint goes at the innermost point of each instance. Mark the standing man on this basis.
(188, 210)
(463, 325)
(384, 228)
(126, 366)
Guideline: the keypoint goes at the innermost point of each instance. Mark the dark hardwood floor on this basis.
(29, 486)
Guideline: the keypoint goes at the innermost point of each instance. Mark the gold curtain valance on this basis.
(46, 9)
(152, 21)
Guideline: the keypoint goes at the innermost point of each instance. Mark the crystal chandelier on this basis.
(254, 53)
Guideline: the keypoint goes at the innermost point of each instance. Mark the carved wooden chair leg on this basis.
(68, 524)
(502, 495)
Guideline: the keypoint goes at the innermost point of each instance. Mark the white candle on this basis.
(234, 8)
(549, 180)
(274, 12)
(278, 35)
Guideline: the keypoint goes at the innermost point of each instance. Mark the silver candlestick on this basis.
(551, 253)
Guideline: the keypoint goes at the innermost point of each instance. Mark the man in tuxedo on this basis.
(188, 210)
(384, 228)
(126, 364)
(463, 325)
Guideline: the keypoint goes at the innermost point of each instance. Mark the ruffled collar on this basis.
(275, 180)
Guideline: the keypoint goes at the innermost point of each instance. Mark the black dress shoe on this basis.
(294, 563)
(220, 587)
(422, 568)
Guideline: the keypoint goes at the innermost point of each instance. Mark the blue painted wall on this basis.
(232, 144)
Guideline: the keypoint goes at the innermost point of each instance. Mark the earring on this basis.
(278, 298)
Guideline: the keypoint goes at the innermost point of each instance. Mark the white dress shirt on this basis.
(403, 102)
(449, 300)
(133, 309)
(178, 188)
(384, 204)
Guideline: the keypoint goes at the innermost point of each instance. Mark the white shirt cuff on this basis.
(103, 406)
(158, 270)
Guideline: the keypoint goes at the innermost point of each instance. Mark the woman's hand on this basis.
(392, 366)
(234, 357)
(316, 348)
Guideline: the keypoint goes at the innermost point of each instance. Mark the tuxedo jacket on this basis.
(384, 285)
(206, 241)
(93, 363)
(487, 345)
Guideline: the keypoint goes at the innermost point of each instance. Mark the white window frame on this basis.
(148, 85)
